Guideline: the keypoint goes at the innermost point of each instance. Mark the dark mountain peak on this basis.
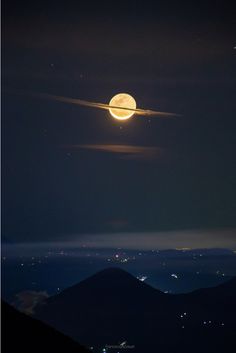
(106, 283)
(109, 288)
(112, 273)
(112, 293)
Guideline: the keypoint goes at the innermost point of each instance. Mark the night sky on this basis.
(69, 170)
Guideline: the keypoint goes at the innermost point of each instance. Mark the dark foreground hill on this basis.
(112, 307)
(22, 334)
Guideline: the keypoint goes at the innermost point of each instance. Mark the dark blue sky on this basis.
(171, 59)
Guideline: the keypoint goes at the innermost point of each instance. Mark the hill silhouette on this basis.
(21, 333)
(112, 306)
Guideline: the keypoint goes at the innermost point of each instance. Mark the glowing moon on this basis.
(122, 100)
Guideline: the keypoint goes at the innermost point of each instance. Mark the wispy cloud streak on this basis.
(138, 111)
(125, 151)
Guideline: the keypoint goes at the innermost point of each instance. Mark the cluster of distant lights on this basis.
(122, 258)
(119, 257)
(203, 323)
(35, 260)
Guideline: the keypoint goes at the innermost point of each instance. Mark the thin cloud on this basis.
(27, 300)
(137, 111)
(194, 239)
(128, 152)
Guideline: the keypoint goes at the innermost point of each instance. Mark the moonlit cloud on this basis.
(194, 239)
(125, 151)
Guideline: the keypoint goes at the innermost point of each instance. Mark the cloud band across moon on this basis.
(138, 111)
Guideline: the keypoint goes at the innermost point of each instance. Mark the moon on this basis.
(123, 100)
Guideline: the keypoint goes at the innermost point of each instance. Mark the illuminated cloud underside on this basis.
(125, 151)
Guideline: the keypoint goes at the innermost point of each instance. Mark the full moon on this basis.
(123, 100)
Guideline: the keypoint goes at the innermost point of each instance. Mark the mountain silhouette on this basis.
(21, 333)
(112, 306)
(216, 304)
